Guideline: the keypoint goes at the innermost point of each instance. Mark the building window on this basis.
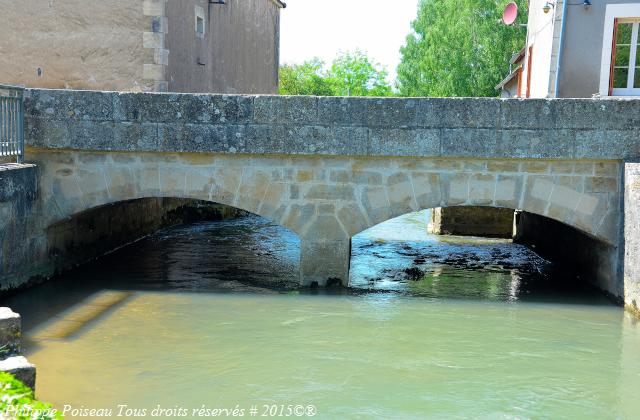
(625, 60)
(620, 68)
(200, 27)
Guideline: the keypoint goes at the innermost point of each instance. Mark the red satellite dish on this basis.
(510, 13)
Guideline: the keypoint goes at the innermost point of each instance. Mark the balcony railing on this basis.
(11, 123)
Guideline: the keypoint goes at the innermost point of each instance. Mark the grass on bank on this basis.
(17, 401)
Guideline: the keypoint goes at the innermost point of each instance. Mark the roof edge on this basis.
(509, 78)
(518, 56)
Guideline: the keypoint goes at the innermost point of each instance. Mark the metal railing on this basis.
(11, 123)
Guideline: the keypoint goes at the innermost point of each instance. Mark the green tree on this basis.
(351, 74)
(308, 78)
(458, 48)
(356, 75)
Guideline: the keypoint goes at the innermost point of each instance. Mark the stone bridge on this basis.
(328, 168)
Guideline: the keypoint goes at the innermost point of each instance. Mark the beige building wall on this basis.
(141, 45)
(80, 44)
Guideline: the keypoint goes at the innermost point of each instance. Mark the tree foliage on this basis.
(351, 74)
(308, 78)
(459, 48)
(356, 75)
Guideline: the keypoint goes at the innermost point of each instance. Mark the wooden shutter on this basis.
(613, 56)
(519, 83)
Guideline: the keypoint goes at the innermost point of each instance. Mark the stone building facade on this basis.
(219, 46)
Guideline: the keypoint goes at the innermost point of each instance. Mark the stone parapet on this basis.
(603, 129)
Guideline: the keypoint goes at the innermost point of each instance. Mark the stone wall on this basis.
(593, 260)
(76, 44)
(11, 360)
(566, 129)
(156, 57)
(472, 221)
(20, 235)
(632, 237)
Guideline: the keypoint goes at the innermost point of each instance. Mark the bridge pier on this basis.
(632, 236)
(324, 262)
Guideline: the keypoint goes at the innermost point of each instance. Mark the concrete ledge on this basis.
(20, 367)
(10, 336)
(17, 179)
(604, 129)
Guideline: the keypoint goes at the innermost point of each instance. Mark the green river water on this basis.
(204, 316)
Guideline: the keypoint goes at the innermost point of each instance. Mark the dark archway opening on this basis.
(537, 260)
(103, 229)
(105, 255)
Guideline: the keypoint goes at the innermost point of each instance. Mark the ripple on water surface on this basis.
(206, 314)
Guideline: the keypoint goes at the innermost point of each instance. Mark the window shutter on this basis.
(613, 55)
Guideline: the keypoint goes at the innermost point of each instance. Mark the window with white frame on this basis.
(620, 64)
(200, 26)
(625, 58)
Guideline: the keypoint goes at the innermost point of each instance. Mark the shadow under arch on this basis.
(104, 255)
(591, 259)
(595, 231)
(99, 230)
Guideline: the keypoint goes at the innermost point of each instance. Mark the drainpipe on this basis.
(561, 46)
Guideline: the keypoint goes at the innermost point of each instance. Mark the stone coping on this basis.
(604, 129)
(13, 167)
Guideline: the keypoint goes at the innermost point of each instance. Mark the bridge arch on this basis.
(74, 184)
(582, 255)
(326, 200)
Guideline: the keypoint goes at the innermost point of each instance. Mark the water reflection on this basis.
(252, 254)
(433, 327)
(401, 256)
